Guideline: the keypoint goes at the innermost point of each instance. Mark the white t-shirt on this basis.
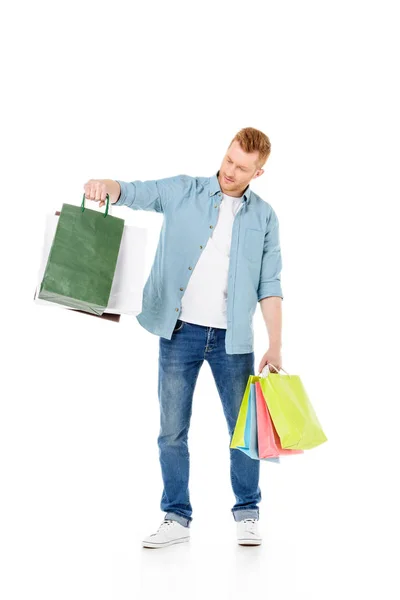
(204, 300)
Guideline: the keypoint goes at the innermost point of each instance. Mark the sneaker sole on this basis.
(245, 542)
(164, 544)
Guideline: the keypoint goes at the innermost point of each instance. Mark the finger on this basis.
(91, 192)
(98, 192)
(88, 189)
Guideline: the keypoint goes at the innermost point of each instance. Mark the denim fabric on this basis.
(190, 207)
(180, 359)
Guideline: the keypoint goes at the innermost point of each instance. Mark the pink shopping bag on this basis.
(269, 444)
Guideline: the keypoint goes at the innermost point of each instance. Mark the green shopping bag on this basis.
(291, 411)
(238, 433)
(82, 260)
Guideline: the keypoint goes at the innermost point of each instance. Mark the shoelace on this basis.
(165, 523)
(251, 523)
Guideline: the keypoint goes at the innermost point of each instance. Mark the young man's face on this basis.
(240, 167)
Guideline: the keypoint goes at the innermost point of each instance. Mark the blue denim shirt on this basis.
(190, 208)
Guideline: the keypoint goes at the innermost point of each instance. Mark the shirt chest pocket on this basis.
(253, 244)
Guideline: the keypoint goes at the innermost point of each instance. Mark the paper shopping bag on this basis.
(127, 288)
(107, 316)
(82, 260)
(251, 431)
(238, 433)
(291, 411)
(128, 282)
(268, 440)
(249, 426)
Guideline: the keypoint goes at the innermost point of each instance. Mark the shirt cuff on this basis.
(122, 197)
(270, 288)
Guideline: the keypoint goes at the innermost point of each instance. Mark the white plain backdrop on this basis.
(129, 90)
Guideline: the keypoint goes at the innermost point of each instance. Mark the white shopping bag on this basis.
(128, 283)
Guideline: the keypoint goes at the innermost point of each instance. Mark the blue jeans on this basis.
(179, 364)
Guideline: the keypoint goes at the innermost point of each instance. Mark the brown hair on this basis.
(251, 140)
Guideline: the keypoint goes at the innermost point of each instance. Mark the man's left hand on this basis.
(271, 356)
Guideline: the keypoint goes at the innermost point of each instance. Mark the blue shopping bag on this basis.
(250, 431)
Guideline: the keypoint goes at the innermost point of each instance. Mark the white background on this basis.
(133, 90)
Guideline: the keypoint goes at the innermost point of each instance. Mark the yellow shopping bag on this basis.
(238, 434)
(291, 411)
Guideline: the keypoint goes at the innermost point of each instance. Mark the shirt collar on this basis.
(215, 187)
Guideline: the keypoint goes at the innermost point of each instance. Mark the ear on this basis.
(258, 173)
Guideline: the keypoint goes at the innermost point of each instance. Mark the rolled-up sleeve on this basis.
(271, 266)
(154, 194)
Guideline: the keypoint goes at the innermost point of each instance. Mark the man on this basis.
(217, 256)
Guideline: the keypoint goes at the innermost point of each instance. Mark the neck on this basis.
(233, 193)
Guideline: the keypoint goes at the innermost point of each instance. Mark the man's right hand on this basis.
(97, 190)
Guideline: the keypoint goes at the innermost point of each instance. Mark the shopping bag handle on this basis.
(107, 203)
(277, 370)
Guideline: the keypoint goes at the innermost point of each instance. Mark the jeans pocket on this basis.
(178, 326)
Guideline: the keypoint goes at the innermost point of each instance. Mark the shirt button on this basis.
(190, 268)
(181, 289)
(211, 226)
(215, 205)
(177, 309)
(201, 247)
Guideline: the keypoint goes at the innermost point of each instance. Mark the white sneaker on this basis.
(247, 532)
(169, 532)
